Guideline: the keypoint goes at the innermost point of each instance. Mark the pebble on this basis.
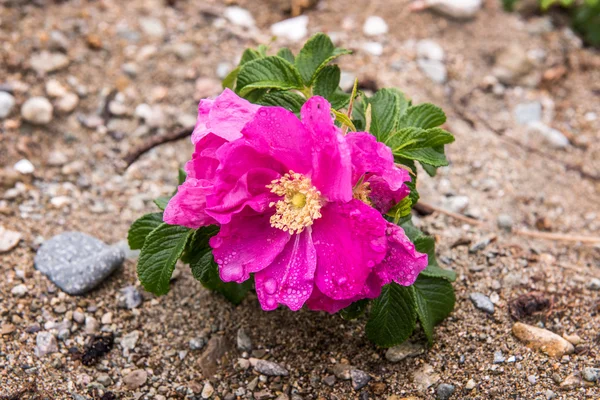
(7, 329)
(528, 113)
(270, 368)
(434, 70)
(499, 357)
(207, 391)
(532, 379)
(591, 374)
(58, 41)
(552, 136)
(572, 381)
(373, 48)
(342, 371)
(470, 384)
(184, 51)
(135, 379)
(55, 89)
(107, 318)
(67, 103)
(46, 62)
(360, 379)
(244, 343)
(428, 49)
(8, 239)
(542, 340)
(197, 343)
(129, 298)
(293, 29)
(573, 339)
(550, 394)
(239, 16)
(594, 284)
(480, 245)
(152, 27)
(375, 26)
(405, 350)
(91, 325)
(223, 69)
(457, 204)
(458, 9)
(7, 102)
(444, 391)
(513, 67)
(425, 377)
(37, 110)
(329, 380)
(19, 290)
(215, 349)
(482, 302)
(505, 222)
(104, 380)
(129, 341)
(77, 262)
(24, 167)
(45, 344)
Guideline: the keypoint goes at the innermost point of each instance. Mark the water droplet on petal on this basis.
(270, 286)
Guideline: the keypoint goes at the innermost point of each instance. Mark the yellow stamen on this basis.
(300, 206)
(362, 191)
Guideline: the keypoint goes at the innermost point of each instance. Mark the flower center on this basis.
(300, 206)
(362, 191)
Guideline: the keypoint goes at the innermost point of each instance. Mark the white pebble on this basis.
(375, 26)
(24, 166)
(293, 29)
(239, 16)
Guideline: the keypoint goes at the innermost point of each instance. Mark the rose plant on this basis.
(303, 193)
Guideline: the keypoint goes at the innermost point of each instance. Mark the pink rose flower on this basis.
(298, 203)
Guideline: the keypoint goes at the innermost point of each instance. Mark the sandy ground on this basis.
(499, 166)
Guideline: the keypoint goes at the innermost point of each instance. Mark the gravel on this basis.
(270, 368)
(444, 391)
(482, 302)
(45, 344)
(244, 343)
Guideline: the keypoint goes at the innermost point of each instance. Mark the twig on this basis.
(138, 151)
(427, 209)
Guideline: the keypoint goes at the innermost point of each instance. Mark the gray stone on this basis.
(329, 380)
(77, 262)
(482, 302)
(499, 357)
(405, 350)
(480, 245)
(360, 379)
(527, 113)
(457, 204)
(197, 343)
(591, 374)
(45, 344)
(532, 379)
(434, 70)
(46, 62)
(429, 50)
(342, 371)
(37, 110)
(64, 334)
(129, 341)
(594, 284)
(152, 27)
(444, 391)
(58, 41)
(244, 343)
(135, 379)
(130, 298)
(505, 222)
(373, 48)
(91, 325)
(550, 394)
(457, 9)
(552, 136)
(7, 102)
(270, 368)
(104, 380)
(184, 51)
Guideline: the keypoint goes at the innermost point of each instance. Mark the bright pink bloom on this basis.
(293, 200)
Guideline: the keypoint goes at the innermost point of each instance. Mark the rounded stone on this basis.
(37, 110)
(7, 102)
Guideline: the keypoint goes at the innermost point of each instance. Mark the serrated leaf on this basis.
(317, 52)
(423, 116)
(271, 72)
(141, 228)
(434, 299)
(230, 79)
(426, 244)
(339, 99)
(161, 250)
(327, 81)
(161, 202)
(288, 100)
(414, 194)
(402, 209)
(423, 145)
(198, 243)
(287, 54)
(355, 309)
(249, 55)
(393, 316)
(206, 271)
(343, 119)
(387, 106)
(431, 170)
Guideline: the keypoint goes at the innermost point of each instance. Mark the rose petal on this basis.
(402, 263)
(350, 240)
(289, 279)
(332, 168)
(381, 196)
(246, 245)
(187, 207)
(204, 162)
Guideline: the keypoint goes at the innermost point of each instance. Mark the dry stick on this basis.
(426, 208)
(138, 151)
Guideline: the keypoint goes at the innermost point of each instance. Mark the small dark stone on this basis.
(444, 391)
(527, 304)
(359, 379)
(94, 350)
(329, 380)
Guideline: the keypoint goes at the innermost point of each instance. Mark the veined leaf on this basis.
(387, 107)
(270, 72)
(393, 316)
(288, 100)
(286, 54)
(402, 209)
(423, 116)
(435, 299)
(317, 52)
(327, 81)
(343, 119)
(161, 250)
(355, 309)
(161, 202)
(141, 228)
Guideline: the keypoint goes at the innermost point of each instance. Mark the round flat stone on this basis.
(77, 262)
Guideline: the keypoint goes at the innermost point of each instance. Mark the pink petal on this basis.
(331, 154)
(278, 133)
(289, 279)
(186, 208)
(320, 302)
(350, 240)
(226, 116)
(402, 264)
(246, 245)
(382, 197)
(204, 162)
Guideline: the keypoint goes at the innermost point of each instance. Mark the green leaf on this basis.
(198, 243)
(327, 81)
(161, 250)
(286, 54)
(343, 119)
(387, 106)
(206, 271)
(423, 116)
(414, 194)
(230, 79)
(402, 209)
(249, 55)
(317, 52)
(288, 100)
(141, 228)
(271, 72)
(423, 145)
(426, 244)
(393, 316)
(354, 310)
(162, 201)
(339, 99)
(435, 299)
(181, 176)
(431, 171)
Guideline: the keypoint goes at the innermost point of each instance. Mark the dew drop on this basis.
(270, 286)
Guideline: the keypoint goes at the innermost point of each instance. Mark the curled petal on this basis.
(204, 162)
(246, 245)
(402, 263)
(381, 196)
(187, 207)
(332, 168)
(350, 240)
(289, 279)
